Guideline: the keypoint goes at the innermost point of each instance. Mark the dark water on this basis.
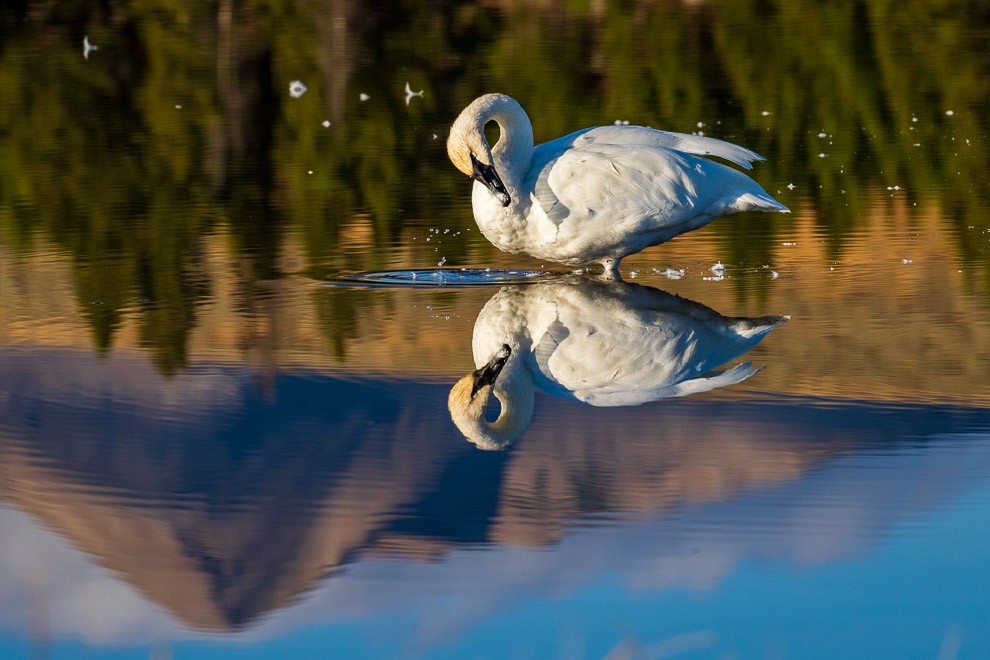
(218, 438)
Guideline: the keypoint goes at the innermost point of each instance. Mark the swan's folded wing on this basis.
(638, 396)
(697, 145)
(545, 191)
(623, 181)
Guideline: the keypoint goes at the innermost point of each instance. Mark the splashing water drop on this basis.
(296, 89)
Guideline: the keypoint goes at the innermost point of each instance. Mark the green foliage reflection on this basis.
(182, 123)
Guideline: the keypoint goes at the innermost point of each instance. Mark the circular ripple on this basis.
(448, 277)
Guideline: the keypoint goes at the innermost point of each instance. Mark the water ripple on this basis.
(447, 277)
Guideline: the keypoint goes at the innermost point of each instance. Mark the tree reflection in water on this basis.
(181, 126)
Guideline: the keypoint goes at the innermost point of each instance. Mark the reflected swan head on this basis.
(469, 398)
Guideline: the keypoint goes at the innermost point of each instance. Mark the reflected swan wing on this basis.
(638, 396)
(612, 344)
(625, 345)
(610, 361)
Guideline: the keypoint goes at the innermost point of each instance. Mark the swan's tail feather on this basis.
(759, 202)
(708, 146)
(735, 375)
(758, 327)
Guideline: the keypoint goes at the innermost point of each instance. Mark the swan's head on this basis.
(469, 398)
(468, 148)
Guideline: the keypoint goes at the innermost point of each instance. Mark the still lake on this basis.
(215, 442)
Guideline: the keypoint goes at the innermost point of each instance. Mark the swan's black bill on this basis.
(488, 176)
(488, 373)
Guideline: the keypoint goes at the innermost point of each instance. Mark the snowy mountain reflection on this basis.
(221, 498)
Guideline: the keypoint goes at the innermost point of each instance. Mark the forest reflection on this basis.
(181, 128)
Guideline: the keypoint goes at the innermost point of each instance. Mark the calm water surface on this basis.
(215, 442)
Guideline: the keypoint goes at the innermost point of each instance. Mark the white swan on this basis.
(599, 194)
(603, 343)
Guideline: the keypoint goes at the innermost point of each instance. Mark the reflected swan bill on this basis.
(604, 343)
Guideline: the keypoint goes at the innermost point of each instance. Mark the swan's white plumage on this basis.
(698, 145)
(615, 344)
(603, 343)
(599, 194)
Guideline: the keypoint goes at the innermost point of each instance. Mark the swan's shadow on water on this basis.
(446, 277)
(601, 342)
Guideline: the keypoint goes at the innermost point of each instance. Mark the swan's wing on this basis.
(632, 181)
(697, 145)
(636, 397)
(605, 362)
(568, 365)
(736, 374)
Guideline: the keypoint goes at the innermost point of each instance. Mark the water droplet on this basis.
(296, 89)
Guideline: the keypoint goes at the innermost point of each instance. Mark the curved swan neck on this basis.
(514, 149)
(516, 413)
(513, 152)
(516, 396)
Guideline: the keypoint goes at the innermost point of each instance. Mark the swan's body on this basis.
(597, 195)
(603, 343)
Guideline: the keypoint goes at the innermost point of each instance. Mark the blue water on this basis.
(910, 586)
(873, 545)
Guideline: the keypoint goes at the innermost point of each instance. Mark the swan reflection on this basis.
(603, 343)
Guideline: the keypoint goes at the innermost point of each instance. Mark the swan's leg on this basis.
(612, 268)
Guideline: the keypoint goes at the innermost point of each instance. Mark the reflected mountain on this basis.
(605, 343)
(221, 496)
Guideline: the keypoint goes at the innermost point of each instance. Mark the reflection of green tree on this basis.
(182, 119)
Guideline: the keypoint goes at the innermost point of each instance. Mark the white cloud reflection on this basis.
(50, 588)
(841, 512)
